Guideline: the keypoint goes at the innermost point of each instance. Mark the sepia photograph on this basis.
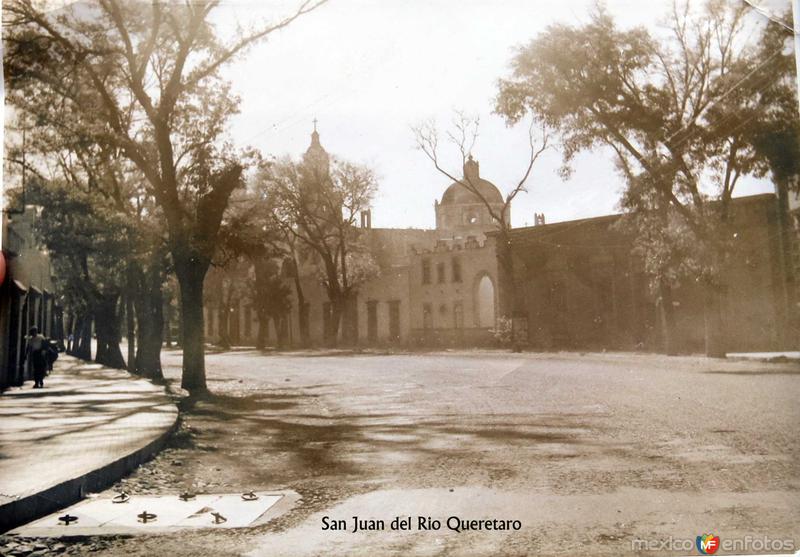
(400, 278)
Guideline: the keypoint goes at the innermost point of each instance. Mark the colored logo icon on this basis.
(707, 544)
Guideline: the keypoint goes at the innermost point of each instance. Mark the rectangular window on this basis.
(427, 316)
(426, 271)
(456, 269)
(458, 315)
(440, 272)
(248, 321)
(394, 320)
(372, 321)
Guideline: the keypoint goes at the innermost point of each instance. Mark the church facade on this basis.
(434, 286)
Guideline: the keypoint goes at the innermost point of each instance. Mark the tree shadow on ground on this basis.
(93, 410)
(288, 422)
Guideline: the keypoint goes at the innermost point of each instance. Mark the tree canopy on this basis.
(145, 79)
(686, 114)
(318, 208)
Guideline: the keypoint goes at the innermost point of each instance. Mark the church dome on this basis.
(457, 194)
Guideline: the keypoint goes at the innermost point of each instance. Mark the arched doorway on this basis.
(484, 302)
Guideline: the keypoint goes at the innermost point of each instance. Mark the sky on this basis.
(369, 70)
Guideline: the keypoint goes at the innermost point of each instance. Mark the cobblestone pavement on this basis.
(589, 452)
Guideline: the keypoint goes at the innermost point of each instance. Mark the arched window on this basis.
(484, 302)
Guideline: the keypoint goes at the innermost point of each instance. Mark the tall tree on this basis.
(463, 136)
(678, 112)
(87, 243)
(271, 298)
(776, 140)
(153, 89)
(277, 236)
(320, 207)
(248, 256)
(111, 188)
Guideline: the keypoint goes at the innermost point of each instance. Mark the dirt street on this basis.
(596, 454)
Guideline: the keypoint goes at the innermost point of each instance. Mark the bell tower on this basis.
(315, 157)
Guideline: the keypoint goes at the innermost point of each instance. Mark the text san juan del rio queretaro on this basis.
(420, 523)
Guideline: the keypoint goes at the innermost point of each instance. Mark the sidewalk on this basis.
(87, 428)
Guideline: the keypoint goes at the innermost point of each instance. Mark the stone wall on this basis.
(581, 287)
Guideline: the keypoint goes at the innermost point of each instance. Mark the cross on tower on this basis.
(315, 123)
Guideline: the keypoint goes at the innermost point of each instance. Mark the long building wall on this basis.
(583, 289)
(578, 287)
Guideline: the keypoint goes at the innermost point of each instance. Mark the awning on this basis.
(21, 287)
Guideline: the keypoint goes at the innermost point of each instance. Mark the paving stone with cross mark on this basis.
(102, 515)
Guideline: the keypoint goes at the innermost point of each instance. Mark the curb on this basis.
(28, 508)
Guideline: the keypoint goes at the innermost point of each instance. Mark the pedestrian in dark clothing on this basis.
(36, 351)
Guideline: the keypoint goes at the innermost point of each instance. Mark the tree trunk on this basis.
(303, 322)
(350, 319)
(72, 348)
(192, 245)
(70, 332)
(714, 333)
(507, 292)
(168, 323)
(667, 312)
(263, 327)
(130, 319)
(179, 323)
(274, 320)
(148, 353)
(82, 345)
(302, 305)
(191, 272)
(334, 323)
(150, 319)
(283, 331)
(107, 319)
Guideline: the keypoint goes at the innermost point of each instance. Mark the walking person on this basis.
(36, 350)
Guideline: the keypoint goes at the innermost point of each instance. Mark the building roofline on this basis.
(554, 226)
